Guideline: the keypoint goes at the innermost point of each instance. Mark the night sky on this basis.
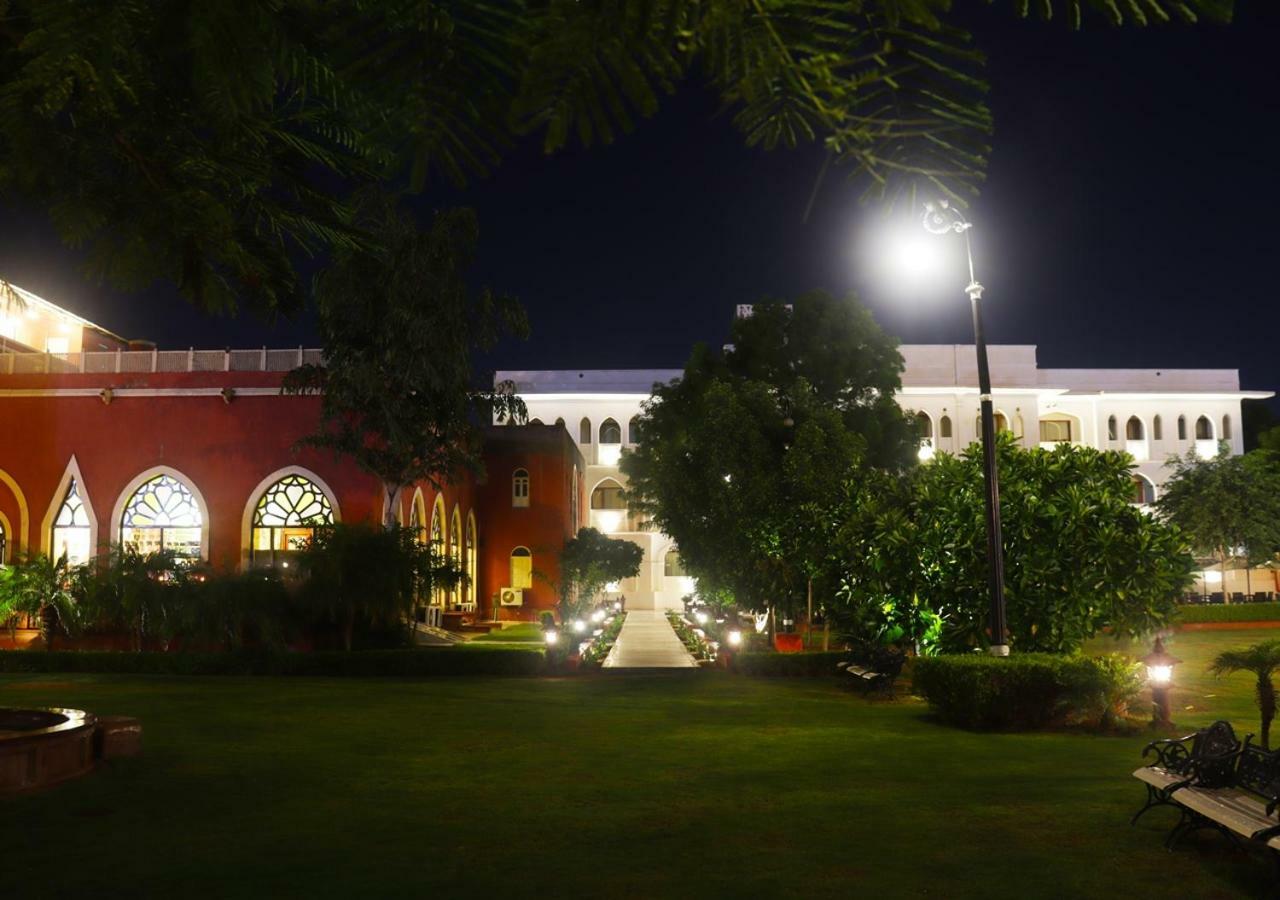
(1130, 218)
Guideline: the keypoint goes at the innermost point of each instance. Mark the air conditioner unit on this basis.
(511, 596)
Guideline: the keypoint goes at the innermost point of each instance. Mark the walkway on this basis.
(647, 641)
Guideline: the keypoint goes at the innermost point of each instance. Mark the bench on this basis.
(874, 668)
(1234, 791)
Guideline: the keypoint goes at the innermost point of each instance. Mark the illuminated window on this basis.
(610, 433)
(71, 527)
(1055, 431)
(469, 587)
(455, 549)
(520, 487)
(521, 568)
(57, 345)
(438, 595)
(672, 566)
(1204, 429)
(287, 515)
(4, 545)
(608, 495)
(584, 431)
(1133, 429)
(162, 514)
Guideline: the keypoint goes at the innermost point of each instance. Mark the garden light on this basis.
(597, 616)
(579, 626)
(617, 605)
(551, 637)
(1160, 675)
(735, 638)
(701, 617)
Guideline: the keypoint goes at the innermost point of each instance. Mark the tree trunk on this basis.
(1248, 579)
(1226, 596)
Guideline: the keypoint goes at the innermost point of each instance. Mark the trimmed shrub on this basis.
(1229, 612)
(806, 665)
(368, 663)
(1025, 691)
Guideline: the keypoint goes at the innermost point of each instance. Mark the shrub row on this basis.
(361, 663)
(808, 664)
(1229, 612)
(1027, 690)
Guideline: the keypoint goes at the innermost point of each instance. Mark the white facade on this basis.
(1151, 413)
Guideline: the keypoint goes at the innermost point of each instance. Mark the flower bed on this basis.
(693, 638)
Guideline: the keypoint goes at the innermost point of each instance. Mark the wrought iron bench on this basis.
(1236, 793)
(874, 668)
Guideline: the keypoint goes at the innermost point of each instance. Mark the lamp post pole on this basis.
(941, 218)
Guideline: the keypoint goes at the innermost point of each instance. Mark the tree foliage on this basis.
(400, 324)
(735, 457)
(1262, 660)
(589, 561)
(41, 587)
(209, 143)
(1227, 505)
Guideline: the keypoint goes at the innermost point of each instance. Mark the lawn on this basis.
(645, 787)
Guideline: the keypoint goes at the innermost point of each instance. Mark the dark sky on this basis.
(1130, 218)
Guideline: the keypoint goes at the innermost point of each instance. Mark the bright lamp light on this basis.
(735, 638)
(551, 637)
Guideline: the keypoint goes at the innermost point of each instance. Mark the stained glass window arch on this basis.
(163, 514)
(285, 517)
(72, 528)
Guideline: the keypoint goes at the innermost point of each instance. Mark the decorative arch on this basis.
(559, 422)
(1226, 426)
(21, 538)
(672, 565)
(455, 545)
(1059, 428)
(999, 419)
(134, 486)
(439, 544)
(1204, 429)
(1182, 428)
(251, 506)
(1144, 490)
(418, 516)
(520, 487)
(1112, 432)
(1134, 430)
(469, 587)
(535, 422)
(5, 531)
(607, 494)
(610, 432)
(1157, 428)
(944, 426)
(633, 431)
(70, 477)
(924, 424)
(584, 431)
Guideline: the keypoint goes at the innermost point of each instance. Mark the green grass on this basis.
(1229, 612)
(523, 633)
(705, 787)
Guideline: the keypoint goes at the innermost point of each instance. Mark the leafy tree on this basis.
(41, 587)
(1262, 660)
(737, 455)
(1078, 555)
(363, 575)
(1226, 504)
(588, 562)
(206, 143)
(399, 325)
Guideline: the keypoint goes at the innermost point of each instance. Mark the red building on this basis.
(197, 451)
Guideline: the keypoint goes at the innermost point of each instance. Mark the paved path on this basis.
(647, 641)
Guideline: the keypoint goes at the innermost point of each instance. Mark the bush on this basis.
(806, 665)
(1025, 691)
(400, 663)
(1229, 612)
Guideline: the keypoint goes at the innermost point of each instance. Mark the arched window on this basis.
(1133, 429)
(610, 433)
(1204, 429)
(162, 514)
(1182, 428)
(1055, 429)
(559, 423)
(418, 517)
(1001, 423)
(573, 499)
(1111, 428)
(1157, 429)
(608, 495)
(287, 514)
(438, 546)
(584, 431)
(1144, 492)
(633, 431)
(71, 528)
(455, 548)
(521, 568)
(520, 487)
(4, 545)
(944, 426)
(1226, 428)
(469, 588)
(535, 421)
(924, 425)
(1018, 427)
(672, 566)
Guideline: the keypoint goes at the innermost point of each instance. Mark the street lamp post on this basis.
(942, 218)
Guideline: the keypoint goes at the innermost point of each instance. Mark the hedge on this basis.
(361, 663)
(1228, 612)
(807, 664)
(1023, 691)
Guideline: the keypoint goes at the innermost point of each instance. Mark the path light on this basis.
(735, 638)
(617, 605)
(551, 637)
(701, 617)
(597, 616)
(579, 626)
(1160, 676)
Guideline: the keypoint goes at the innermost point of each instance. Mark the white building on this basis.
(1150, 413)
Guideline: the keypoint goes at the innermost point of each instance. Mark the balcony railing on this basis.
(146, 361)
